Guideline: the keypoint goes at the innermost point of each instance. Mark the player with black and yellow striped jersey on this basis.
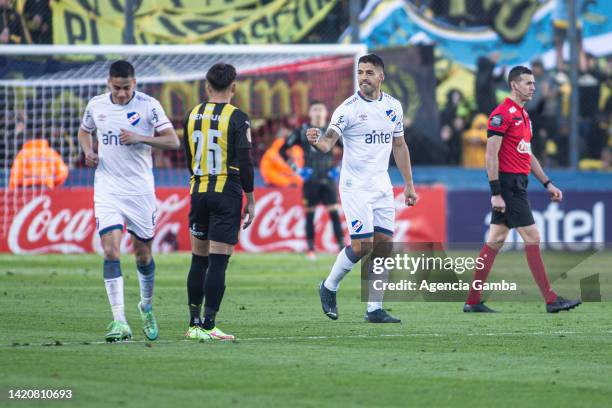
(217, 141)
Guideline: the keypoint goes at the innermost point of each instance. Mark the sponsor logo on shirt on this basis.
(523, 147)
(133, 118)
(377, 137)
(391, 115)
(108, 138)
(357, 225)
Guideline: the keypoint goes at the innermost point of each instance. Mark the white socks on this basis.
(342, 266)
(114, 290)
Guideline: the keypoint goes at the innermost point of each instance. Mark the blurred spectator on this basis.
(487, 80)
(589, 94)
(561, 28)
(475, 142)
(12, 26)
(423, 149)
(453, 125)
(37, 14)
(275, 170)
(542, 109)
(37, 164)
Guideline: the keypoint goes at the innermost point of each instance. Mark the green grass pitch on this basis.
(54, 311)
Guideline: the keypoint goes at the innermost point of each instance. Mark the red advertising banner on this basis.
(63, 221)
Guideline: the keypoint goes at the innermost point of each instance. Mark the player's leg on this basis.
(140, 214)
(383, 210)
(198, 227)
(310, 203)
(329, 197)
(358, 210)
(554, 303)
(225, 216)
(495, 240)
(109, 223)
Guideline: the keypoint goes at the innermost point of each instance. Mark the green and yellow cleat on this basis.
(196, 333)
(118, 331)
(149, 324)
(216, 334)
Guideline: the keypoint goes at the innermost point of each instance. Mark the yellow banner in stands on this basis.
(188, 21)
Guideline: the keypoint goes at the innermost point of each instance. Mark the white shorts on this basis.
(367, 212)
(138, 212)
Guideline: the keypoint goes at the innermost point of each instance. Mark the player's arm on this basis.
(245, 163)
(291, 141)
(538, 172)
(86, 140)
(165, 139)
(165, 136)
(494, 143)
(402, 160)
(323, 143)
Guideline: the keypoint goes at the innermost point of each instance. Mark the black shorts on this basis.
(320, 191)
(518, 210)
(215, 216)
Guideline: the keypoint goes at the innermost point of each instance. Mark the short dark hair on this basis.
(220, 76)
(372, 59)
(516, 72)
(315, 102)
(121, 69)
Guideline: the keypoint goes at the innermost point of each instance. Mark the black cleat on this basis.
(479, 307)
(380, 316)
(328, 302)
(562, 304)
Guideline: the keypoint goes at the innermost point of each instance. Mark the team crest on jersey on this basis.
(357, 225)
(133, 118)
(512, 109)
(391, 115)
(101, 117)
(363, 117)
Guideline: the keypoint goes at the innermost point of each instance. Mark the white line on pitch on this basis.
(350, 336)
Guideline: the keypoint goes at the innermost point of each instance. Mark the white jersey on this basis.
(124, 169)
(367, 129)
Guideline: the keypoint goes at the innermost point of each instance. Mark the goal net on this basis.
(44, 90)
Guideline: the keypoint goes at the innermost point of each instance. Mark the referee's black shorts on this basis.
(518, 210)
(320, 191)
(215, 216)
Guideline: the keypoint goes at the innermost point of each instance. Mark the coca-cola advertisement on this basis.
(63, 221)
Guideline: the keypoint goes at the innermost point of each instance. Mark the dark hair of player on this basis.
(372, 59)
(315, 102)
(220, 76)
(121, 69)
(516, 72)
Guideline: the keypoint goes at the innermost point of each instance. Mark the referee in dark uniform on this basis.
(318, 174)
(509, 162)
(217, 141)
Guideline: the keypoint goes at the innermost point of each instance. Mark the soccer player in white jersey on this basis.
(370, 124)
(128, 124)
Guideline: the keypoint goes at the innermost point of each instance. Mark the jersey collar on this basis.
(369, 100)
(110, 97)
(510, 102)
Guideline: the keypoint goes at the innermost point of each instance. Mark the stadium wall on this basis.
(63, 220)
